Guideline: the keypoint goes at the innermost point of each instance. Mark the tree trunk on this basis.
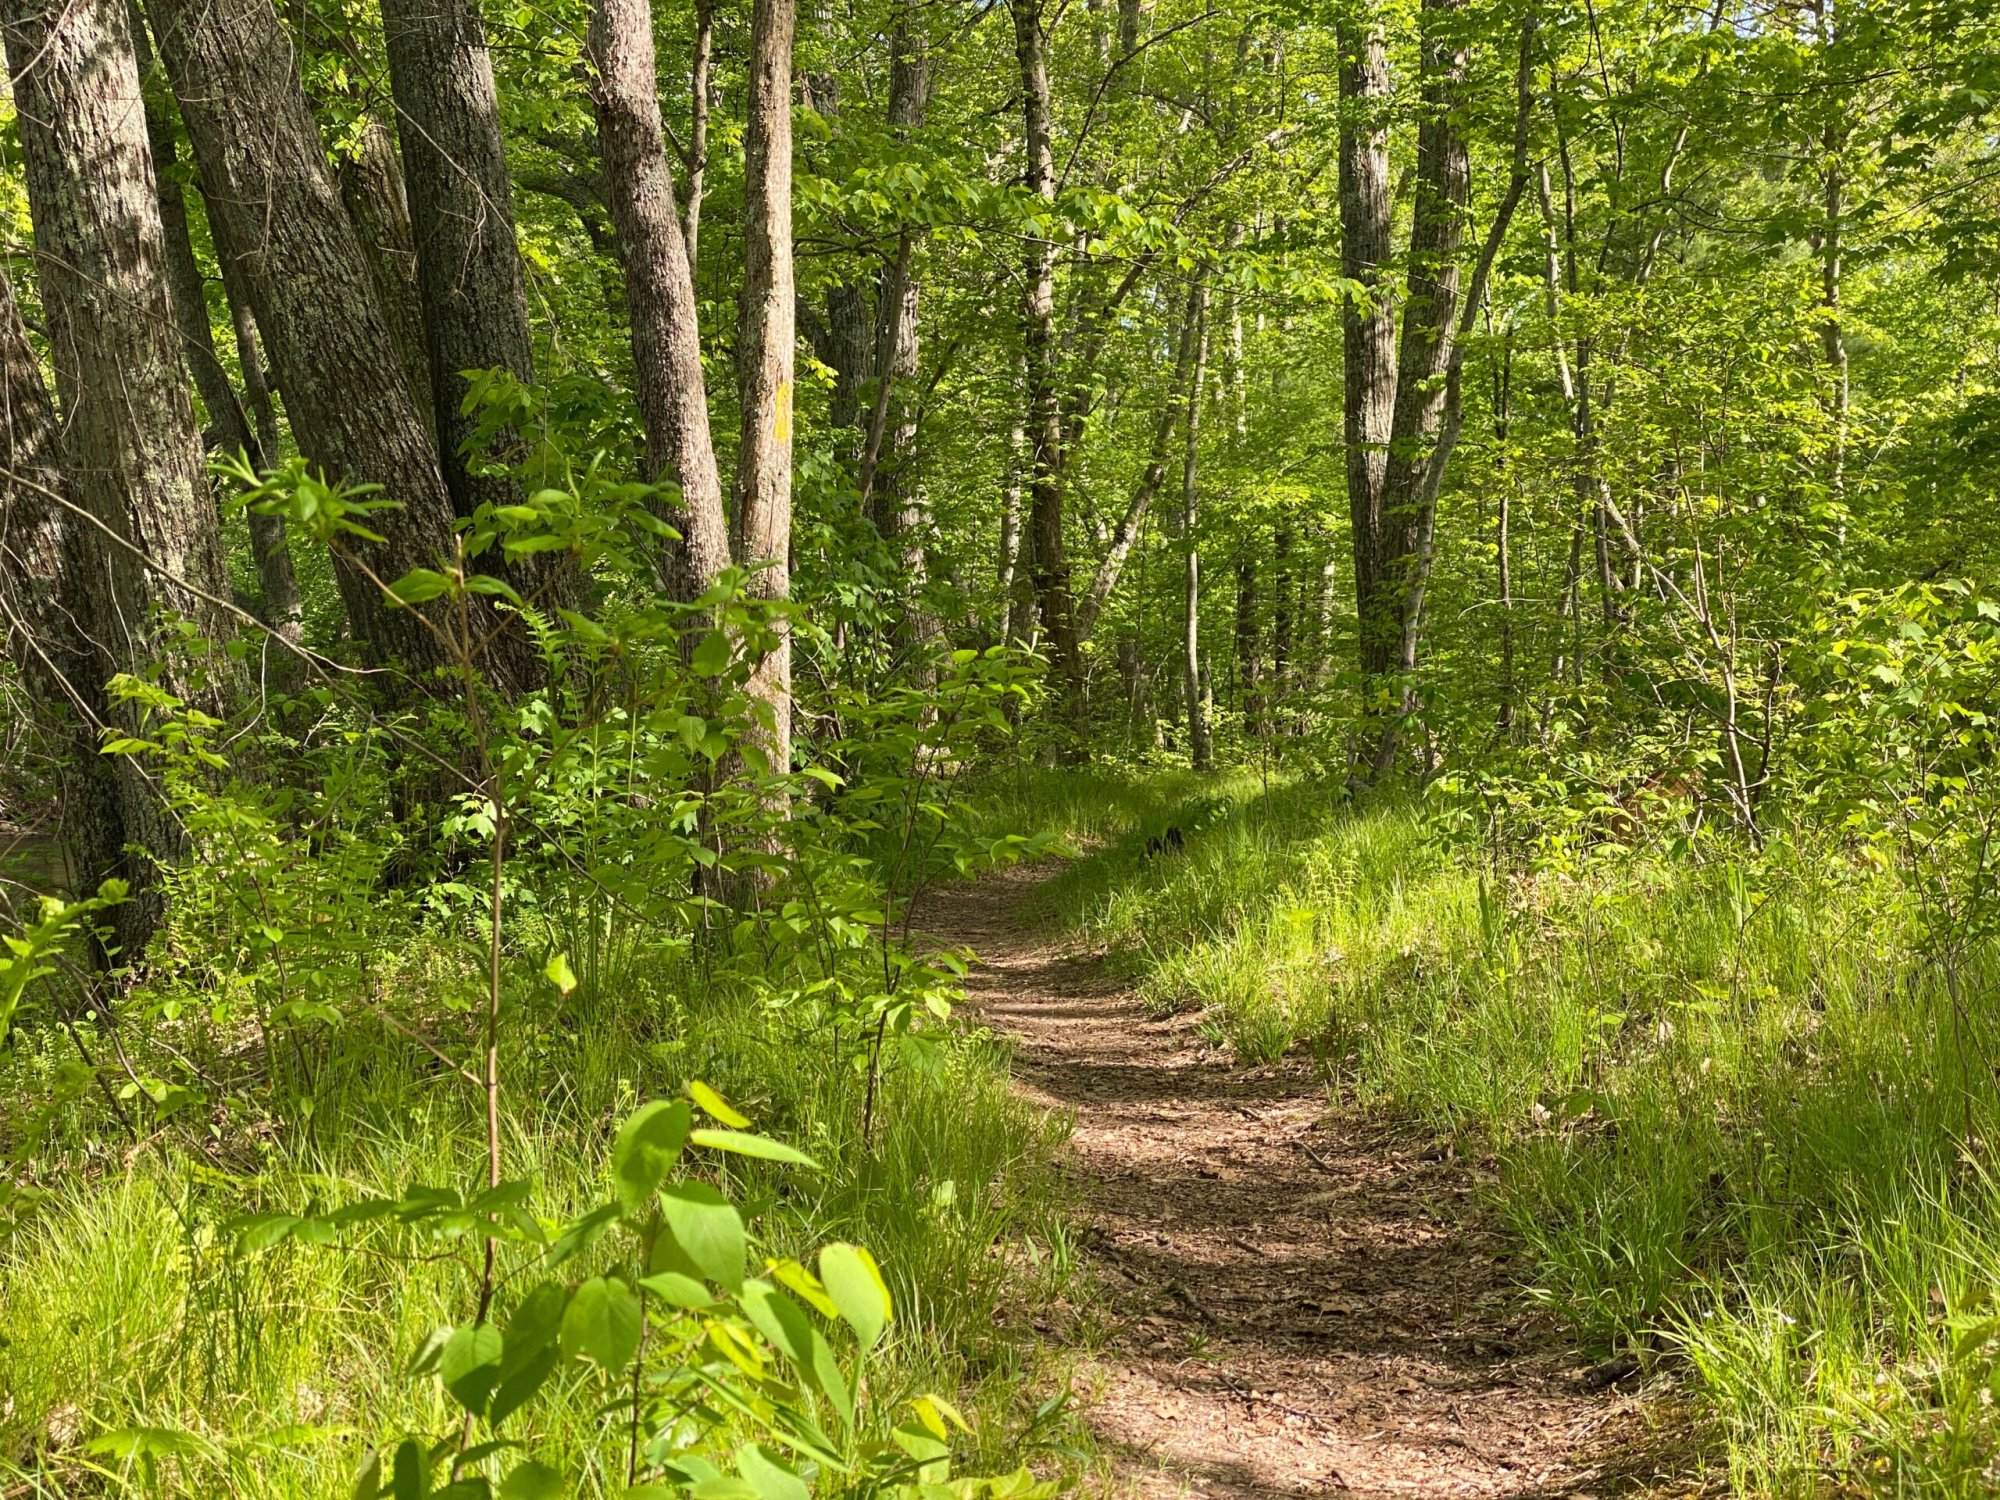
(276, 212)
(229, 424)
(475, 307)
(128, 439)
(1368, 330)
(765, 352)
(659, 285)
(378, 206)
(1154, 474)
(1249, 646)
(1283, 616)
(697, 183)
(45, 611)
(1044, 406)
(278, 605)
(889, 477)
(1201, 749)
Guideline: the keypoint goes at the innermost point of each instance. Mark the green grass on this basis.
(123, 1304)
(1737, 1121)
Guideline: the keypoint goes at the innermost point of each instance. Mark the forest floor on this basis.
(1292, 1299)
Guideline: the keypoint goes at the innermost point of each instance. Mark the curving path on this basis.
(1298, 1305)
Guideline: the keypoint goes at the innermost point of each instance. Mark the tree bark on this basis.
(1154, 474)
(377, 203)
(1368, 328)
(765, 354)
(1201, 749)
(475, 306)
(46, 611)
(704, 56)
(128, 440)
(666, 330)
(461, 214)
(1044, 406)
(278, 605)
(277, 214)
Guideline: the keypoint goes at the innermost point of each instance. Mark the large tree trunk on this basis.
(277, 213)
(229, 424)
(1044, 405)
(45, 610)
(475, 308)
(765, 353)
(666, 331)
(128, 439)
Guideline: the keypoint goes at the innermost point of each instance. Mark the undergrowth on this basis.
(1738, 1121)
(124, 1308)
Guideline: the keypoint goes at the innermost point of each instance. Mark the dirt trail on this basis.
(1298, 1305)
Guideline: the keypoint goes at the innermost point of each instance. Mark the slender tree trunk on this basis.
(697, 183)
(278, 605)
(128, 440)
(275, 211)
(1201, 748)
(1249, 645)
(666, 330)
(1044, 406)
(1154, 474)
(765, 341)
(889, 475)
(1503, 488)
(1283, 617)
(1017, 558)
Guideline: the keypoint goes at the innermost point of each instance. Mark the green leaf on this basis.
(744, 1144)
(717, 1107)
(676, 1290)
(533, 1481)
(785, 1324)
(469, 1365)
(560, 974)
(771, 1479)
(855, 1283)
(602, 1322)
(417, 586)
(647, 1146)
(708, 1230)
(711, 656)
(410, 1473)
